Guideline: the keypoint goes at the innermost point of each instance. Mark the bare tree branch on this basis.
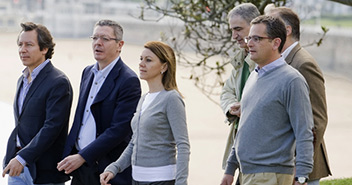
(202, 42)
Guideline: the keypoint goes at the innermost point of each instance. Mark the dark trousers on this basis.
(85, 175)
(154, 183)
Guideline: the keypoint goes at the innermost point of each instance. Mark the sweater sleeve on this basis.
(301, 118)
(123, 162)
(177, 118)
(232, 163)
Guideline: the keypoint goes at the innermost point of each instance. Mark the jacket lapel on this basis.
(289, 58)
(109, 83)
(36, 83)
(86, 84)
(15, 104)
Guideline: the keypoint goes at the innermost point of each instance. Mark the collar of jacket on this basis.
(240, 56)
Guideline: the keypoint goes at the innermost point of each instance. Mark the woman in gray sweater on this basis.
(159, 125)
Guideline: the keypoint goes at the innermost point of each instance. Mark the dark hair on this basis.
(275, 28)
(290, 18)
(118, 30)
(247, 11)
(45, 40)
(166, 55)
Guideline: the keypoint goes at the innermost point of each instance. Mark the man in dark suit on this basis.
(109, 94)
(301, 60)
(42, 109)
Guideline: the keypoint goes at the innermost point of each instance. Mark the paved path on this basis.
(205, 120)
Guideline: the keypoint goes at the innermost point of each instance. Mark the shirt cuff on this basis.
(21, 160)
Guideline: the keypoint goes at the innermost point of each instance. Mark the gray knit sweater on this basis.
(276, 120)
(157, 134)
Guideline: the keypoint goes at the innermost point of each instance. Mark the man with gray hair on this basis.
(276, 118)
(109, 93)
(239, 22)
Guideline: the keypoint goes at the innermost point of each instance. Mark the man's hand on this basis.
(227, 179)
(70, 163)
(14, 168)
(105, 177)
(235, 109)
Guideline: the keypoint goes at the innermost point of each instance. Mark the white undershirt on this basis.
(148, 99)
(152, 174)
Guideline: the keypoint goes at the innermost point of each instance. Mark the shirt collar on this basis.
(289, 49)
(107, 69)
(35, 71)
(269, 67)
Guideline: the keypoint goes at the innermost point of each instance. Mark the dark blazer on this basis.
(42, 125)
(112, 109)
(301, 60)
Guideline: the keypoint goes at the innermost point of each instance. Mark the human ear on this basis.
(277, 42)
(164, 67)
(44, 51)
(288, 30)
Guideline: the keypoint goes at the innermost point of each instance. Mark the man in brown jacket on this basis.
(301, 60)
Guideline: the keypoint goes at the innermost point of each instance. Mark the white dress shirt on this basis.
(87, 133)
(288, 50)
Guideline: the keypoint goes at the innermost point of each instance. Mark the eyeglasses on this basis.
(255, 38)
(104, 38)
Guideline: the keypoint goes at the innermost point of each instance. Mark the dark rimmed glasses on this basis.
(104, 38)
(255, 38)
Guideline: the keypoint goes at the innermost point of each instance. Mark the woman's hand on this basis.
(105, 177)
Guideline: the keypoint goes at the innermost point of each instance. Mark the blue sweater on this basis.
(276, 120)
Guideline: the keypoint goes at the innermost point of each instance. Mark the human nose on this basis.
(141, 63)
(21, 49)
(234, 34)
(98, 41)
(249, 42)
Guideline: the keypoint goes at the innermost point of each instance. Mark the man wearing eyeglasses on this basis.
(300, 59)
(109, 93)
(276, 117)
(239, 22)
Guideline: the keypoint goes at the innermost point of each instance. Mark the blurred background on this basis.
(71, 23)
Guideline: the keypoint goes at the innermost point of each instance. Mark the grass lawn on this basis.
(346, 181)
(338, 21)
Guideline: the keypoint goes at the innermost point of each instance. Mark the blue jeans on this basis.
(25, 178)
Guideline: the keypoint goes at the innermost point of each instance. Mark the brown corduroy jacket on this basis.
(301, 60)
